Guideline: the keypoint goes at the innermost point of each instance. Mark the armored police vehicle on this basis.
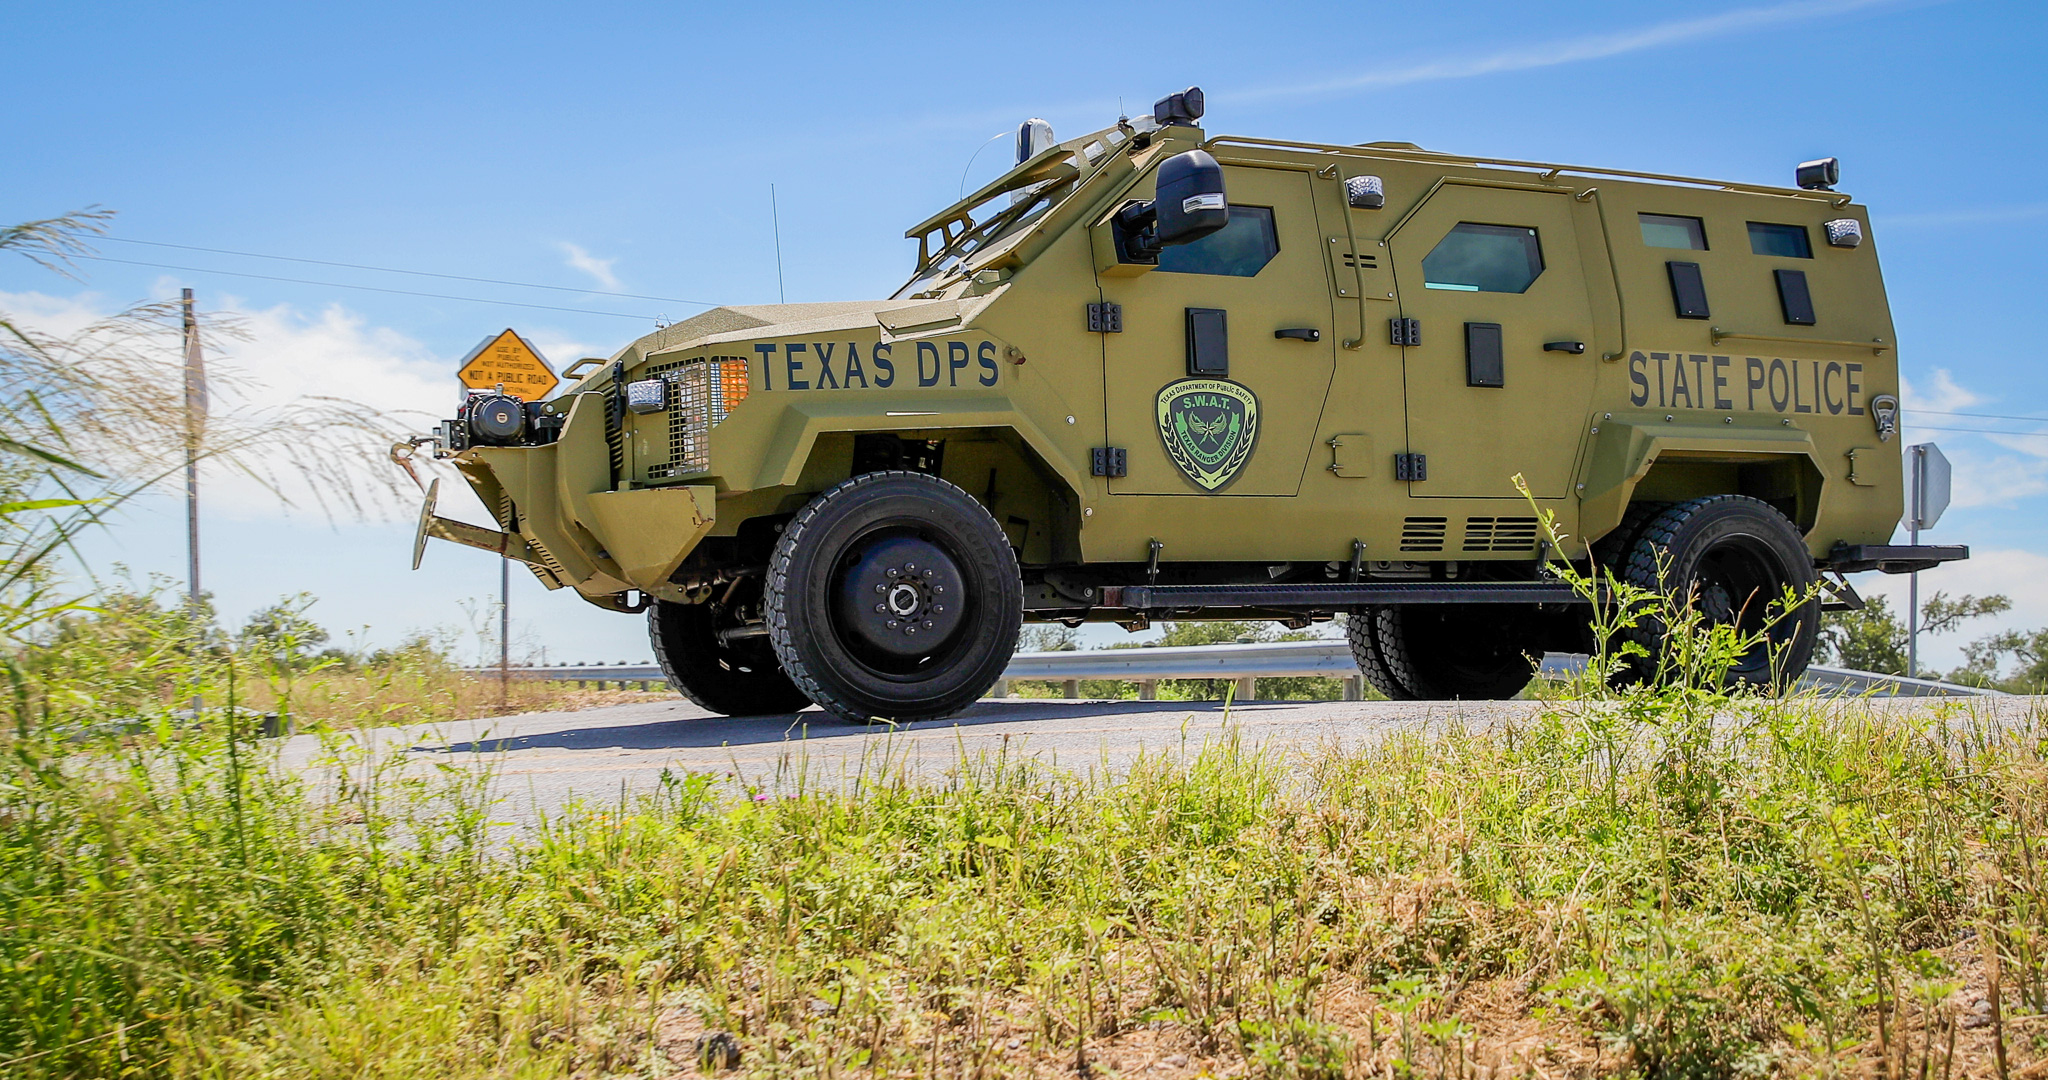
(1157, 373)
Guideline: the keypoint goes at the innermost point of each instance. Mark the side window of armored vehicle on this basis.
(1239, 249)
(1672, 231)
(1484, 258)
(1782, 241)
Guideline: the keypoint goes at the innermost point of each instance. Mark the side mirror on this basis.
(1190, 205)
(1191, 202)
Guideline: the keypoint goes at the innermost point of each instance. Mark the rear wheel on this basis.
(1733, 558)
(1477, 652)
(1362, 628)
(737, 677)
(894, 596)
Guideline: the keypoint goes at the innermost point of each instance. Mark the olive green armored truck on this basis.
(1158, 373)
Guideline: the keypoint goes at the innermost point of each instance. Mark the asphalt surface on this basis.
(544, 761)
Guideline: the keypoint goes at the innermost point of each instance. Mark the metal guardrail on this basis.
(1264, 660)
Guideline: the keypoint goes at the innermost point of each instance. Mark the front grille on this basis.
(1423, 533)
(1500, 533)
(706, 392)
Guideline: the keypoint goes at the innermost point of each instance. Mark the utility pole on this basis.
(195, 428)
(505, 633)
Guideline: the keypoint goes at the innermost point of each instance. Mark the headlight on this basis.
(647, 395)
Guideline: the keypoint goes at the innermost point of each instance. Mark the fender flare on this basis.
(1625, 447)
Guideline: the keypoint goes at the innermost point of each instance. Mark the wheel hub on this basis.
(900, 596)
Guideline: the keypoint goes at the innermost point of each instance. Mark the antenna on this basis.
(775, 216)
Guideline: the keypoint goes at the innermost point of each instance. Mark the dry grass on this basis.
(401, 697)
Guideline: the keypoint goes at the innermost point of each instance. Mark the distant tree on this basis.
(283, 635)
(1048, 637)
(1873, 638)
(1985, 658)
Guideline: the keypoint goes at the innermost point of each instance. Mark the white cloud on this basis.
(286, 358)
(1523, 57)
(599, 269)
(1944, 395)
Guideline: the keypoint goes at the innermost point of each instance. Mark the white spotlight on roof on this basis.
(1034, 137)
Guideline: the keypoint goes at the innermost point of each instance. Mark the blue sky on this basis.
(630, 148)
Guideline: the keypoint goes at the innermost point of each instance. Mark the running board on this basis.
(1334, 596)
(1892, 558)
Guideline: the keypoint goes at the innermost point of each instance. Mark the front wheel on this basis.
(894, 596)
(1730, 560)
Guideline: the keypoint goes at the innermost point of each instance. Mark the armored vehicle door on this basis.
(1503, 373)
(1238, 324)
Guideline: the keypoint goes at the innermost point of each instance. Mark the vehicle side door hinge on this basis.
(1404, 331)
(1110, 461)
(1105, 318)
(1411, 466)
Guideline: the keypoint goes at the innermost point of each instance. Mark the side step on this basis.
(1331, 597)
(1893, 558)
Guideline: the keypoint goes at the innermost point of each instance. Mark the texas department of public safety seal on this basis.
(1210, 427)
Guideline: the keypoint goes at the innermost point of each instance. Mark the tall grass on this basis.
(1788, 886)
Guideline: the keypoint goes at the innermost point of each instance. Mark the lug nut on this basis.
(940, 608)
(895, 573)
(892, 624)
(881, 609)
(910, 629)
(927, 624)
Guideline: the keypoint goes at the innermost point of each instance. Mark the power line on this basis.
(414, 273)
(1977, 415)
(1979, 431)
(365, 288)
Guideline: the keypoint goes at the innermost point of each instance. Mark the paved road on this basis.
(544, 760)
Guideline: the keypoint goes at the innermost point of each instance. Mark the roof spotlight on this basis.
(1820, 175)
(1183, 108)
(1365, 192)
(1034, 137)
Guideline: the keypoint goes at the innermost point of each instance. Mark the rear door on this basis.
(1493, 277)
(1246, 430)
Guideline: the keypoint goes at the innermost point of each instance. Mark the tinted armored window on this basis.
(1484, 258)
(1671, 231)
(1239, 249)
(1783, 241)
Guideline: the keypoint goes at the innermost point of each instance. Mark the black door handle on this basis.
(1573, 347)
(1300, 333)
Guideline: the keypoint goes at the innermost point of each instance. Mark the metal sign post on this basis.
(1926, 500)
(510, 364)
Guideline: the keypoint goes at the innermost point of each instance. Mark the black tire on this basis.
(894, 596)
(1362, 628)
(1474, 652)
(739, 679)
(1612, 550)
(1734, 556)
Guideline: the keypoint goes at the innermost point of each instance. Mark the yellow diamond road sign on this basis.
(510, 360)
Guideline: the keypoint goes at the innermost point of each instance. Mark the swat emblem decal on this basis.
(1209, 427)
